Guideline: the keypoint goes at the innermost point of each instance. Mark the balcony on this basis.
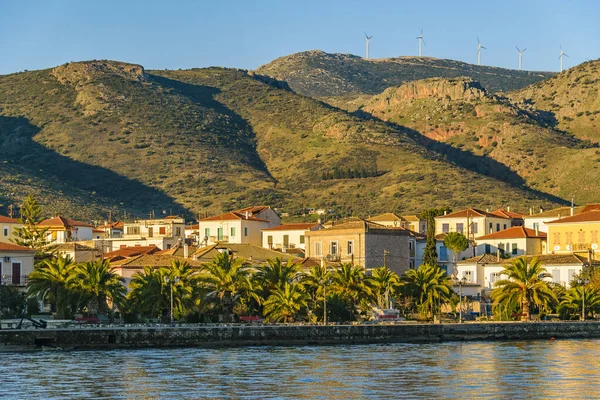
(15, 280)
(333, 257)
(216, 239)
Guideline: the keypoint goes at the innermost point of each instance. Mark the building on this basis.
(109, 230)
(287, 236)
(78, 252)
(125, 252)
(7, 228)
(361, 242)
(171, 227)
(16, 263)
(538, 221)
(512, 242)
(482, 272)
(411, 222)
(242, 226)
(415, 223)
(64, 230)
(471, 222)
(576, 234)
(446, 256)
(516, 219)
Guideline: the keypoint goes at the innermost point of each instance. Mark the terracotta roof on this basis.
(14, 247)
(152, 260)
(516, 232)
(470, 212)
(412, 218)
(591, 207)
(507, 214)
(233, 216)
(590, 216)
(131, 251)
(554, 213)
(416, 235)
(64, 222)
(547, 259)
(113, 225)
(293, 227)
(359, 223)
(386, 217)
(7, 220)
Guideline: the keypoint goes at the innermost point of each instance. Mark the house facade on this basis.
(287, 236)
(577, 234)
(171, 227)
(16, 263)
(7, 228)
(471, 222)
(512, 242)
(64, 230)
(446, 256)
(538, 221)
(516, 219)
(361, 242)
(78, 252)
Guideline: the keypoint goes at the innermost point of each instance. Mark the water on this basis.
(534, 369)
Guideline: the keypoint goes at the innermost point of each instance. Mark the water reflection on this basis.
(543, 369)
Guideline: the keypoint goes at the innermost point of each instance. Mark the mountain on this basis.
(322, 75)
(107, 135)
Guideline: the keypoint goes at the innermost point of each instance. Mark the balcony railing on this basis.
(15, 280)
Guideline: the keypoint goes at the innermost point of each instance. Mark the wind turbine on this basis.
(562, 53)
(421, 43)
(479, 47)
(368, 38)
(520, 57)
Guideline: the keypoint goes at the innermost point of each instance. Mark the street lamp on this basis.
(324, 282)
(460, 283)
(583, 282)
(171, 281)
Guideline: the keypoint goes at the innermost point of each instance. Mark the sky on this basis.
(37, 34)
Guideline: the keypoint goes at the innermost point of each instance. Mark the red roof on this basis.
(470, 213)
(113, 225)
(7, 220)
(507, 214)
(516, 232)
(14, 247)
(131, 251)
(233, 216)
(590, 216)
(591, 207)
(293, 227)
(65, 222)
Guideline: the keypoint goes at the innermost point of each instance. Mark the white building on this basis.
(64, 230)
(287, 236)
(7, 228)
(446, 256)
(16, 263)
(538, 221)
(512, 242)
(471, 223)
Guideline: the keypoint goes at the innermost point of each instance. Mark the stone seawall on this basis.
(253, 335)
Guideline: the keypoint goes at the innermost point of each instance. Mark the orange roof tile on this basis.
(590, 216)
(507, 214)
(64, 222)
(470, 212)
(113, 225)
(293, 227)
(14, 247)
(7, 220)
(516, 232)
(591, 207)
(232, 216)
(131, 251)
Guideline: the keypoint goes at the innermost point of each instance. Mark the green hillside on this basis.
(323, 75)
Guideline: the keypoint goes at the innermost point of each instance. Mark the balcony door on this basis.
(16, 273)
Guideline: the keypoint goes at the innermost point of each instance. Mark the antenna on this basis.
(479, 47)
(368, 38)
(560, 57)
(421, 43)
(520, 57)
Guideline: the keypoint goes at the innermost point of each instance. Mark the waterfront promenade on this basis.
(111, 337)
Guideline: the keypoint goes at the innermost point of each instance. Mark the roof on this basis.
(75, 247)
(556, 212)
(412, 218)
(470, 213)
(233, 216)
(386, 217)
(547, 259)
(64, 222)
(7, 220)
(14, 247)
(293, 227)
(153, 260)
(507, 214)
(590, 216)
(112, 225)
(516, 232)
(131, 251)
(591, 207)
(359, 223)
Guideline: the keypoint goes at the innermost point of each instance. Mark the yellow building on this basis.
(576, 234)
(7, 228)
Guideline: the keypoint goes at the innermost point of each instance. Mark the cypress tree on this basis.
(31, 234)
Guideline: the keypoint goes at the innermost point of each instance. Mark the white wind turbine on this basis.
(520, 57)
(368, 38)
(421, 43)
(479, 47)
(562, 53)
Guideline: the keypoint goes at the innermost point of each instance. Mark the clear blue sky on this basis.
(245, 34)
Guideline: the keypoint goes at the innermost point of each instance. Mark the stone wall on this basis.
(246, 335)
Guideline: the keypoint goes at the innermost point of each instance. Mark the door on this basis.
(150, 231)
(16, 273)
(219, 233)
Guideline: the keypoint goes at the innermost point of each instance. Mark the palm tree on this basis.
(349, 283)
(148, 294)
(49, 281)
(275, 275)
(285, 303)
(572, 301)
(227, 280)
(525, 286)
(429, 286)
(97, 281)
(383, 283)
(186, 291)
(457, 242)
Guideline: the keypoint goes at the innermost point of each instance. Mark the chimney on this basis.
(508, 208)
(559, 215)
(572, 209)
(537, 230)
(541, 209)
(530, 210)
(246, 214)
(487, 210)
(445, 212)
(498, 254)
(186, 251)
(319, 221)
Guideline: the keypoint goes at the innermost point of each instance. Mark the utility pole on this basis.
(385, 254)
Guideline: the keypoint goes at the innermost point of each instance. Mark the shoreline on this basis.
(214, 336)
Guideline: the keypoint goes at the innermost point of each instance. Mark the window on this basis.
(318, 249)
(443, 253)
(350, 246)
(168, 247)
(497, 227)
(459, 228)
(333, 248)
(133, 230)
(504, 226)
(207, 232)
(581, 237)
(246, 231)
(556, 275)
(474, 230)
(6, 231)
(556, 237)
(536, 226)
(594, 236)
(162, 230)
(286, 240)
(507, 248)
(569, 237)
(571, 275)
(494, 277)
(16, 273)
(232, 231)
(177, 231)
(488, 249)
(514, 249)
(445, 228)
(219, 233)
(150, 232)
(269, 239)
(301, 239)
(410, 244)
(491, 228)
(468, 275)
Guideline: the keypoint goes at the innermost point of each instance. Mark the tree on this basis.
(147, 294)
(572, 301)
(525, 286)
(429, 286)
(275, 274)
(349, 283)
(457, 242)
(383, 283)
(31, 234)
(51, 281)
(430, 253)
(285, 303)
(98, 283)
